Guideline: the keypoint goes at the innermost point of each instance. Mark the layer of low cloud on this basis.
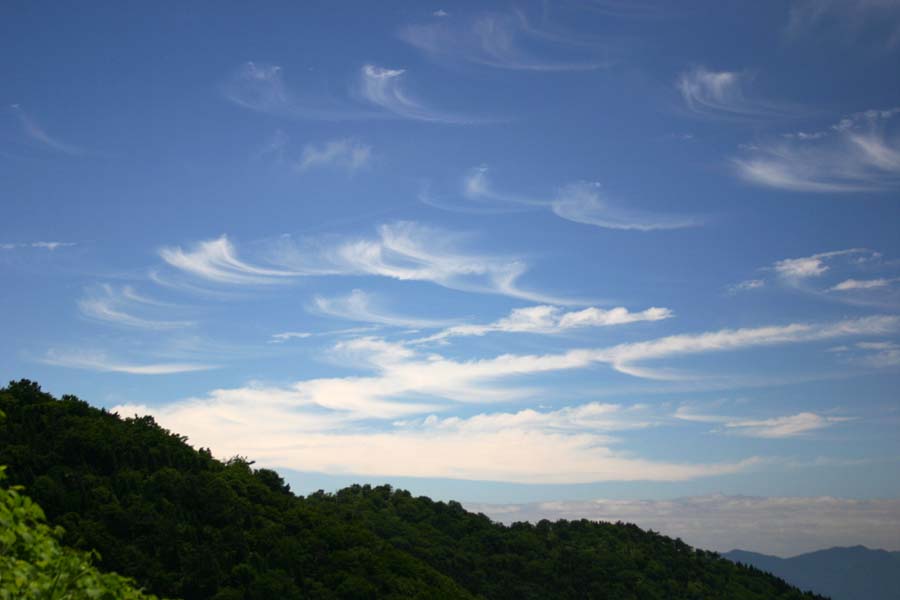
(783, 526)
(561, 446)
(389, 424)
(861, 153)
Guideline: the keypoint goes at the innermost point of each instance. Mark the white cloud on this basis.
(113, 305)
(359, 306)
(284, 426)
(807, 267)
(787, 426)
(440, 13)
(384, 88)
(581, 202)
(51, 246)
(862, 284)
(346, 154)
(624, 356)
(584, 203)
(98, 361)
(783, 526)
(783, 427)
(261, 88)
(546, 319)
(721, 94)
(529, 446)
(504, 41)
(870, 20)
(279, 338)
(35, 133)
(409, 251)
(860, 153)
(747, 285)
(216, 260)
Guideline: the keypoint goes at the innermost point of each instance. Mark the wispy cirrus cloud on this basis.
(546, 319)
(384, 88)
(38, 136)
(583, 202)
(875, 21)
(815, 265)
(863, 284)
(360, 306)
(723, 94)
(51, 246)
(126, 307)
(100, 361)
(346, 154)
(505, 41)
(403, 250)
(378, 93)
(861, 153)
(787, 426)
(409, 251)
(217, 261)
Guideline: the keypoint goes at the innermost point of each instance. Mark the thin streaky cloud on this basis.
(723, 94)
(409, 251)
(546, 319)
(863, 284)
(280, 338)
(788, 426)
(98, 361)
(117, 306)
(361, 306)
(216, 260)
(853, 20)
(385, 89)
(503, 41)
(346, 154)
(585, 203)
(35, 133)
(51, 246)
(261, 88)
(582, 202)
(860, 153)
(806, 267)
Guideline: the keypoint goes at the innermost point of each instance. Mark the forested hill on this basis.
(185, 525)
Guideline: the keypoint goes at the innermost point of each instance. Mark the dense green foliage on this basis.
(186, 525)
(33, 564)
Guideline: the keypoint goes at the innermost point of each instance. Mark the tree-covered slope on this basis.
(184, 524)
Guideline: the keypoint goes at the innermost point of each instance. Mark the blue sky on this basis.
(511, 253)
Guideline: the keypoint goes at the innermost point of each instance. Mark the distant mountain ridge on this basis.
(843, 573)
